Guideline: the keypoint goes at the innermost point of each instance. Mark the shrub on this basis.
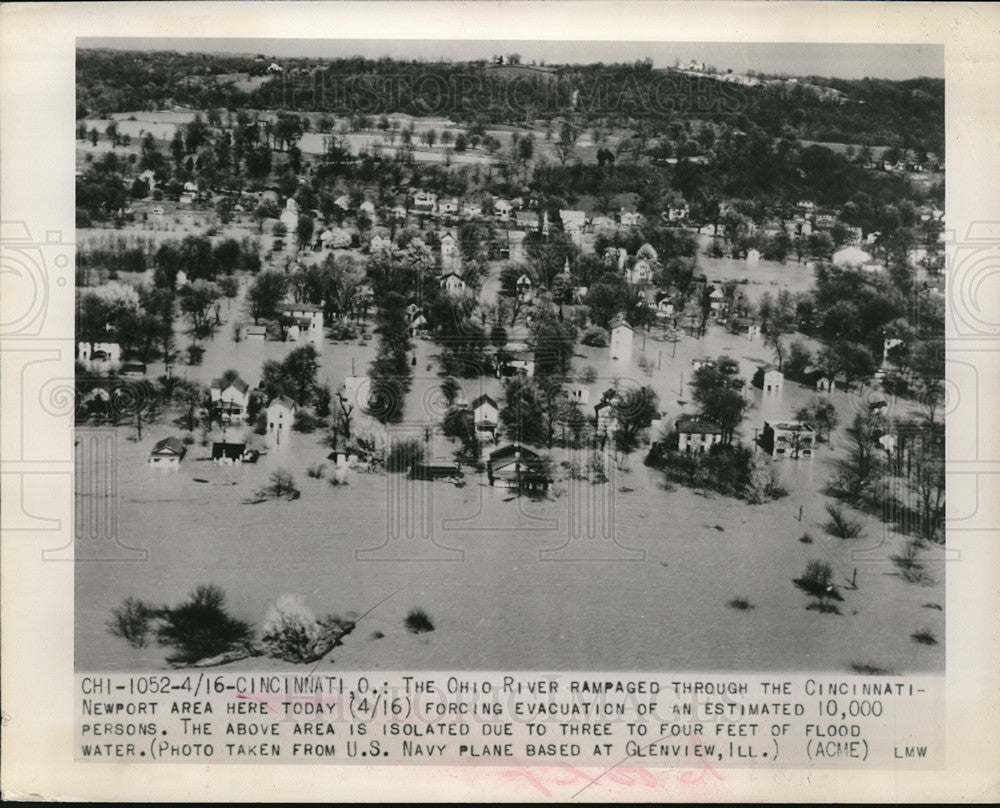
(341, 330)
(403, 454)
(595, 337)
(867, 669)
(925, 637)
(805, 538)
(316, 472)
(839, 525)
(587, 375)
(909, 564)
(817, 582)
(418, 622)
(304, 422)
(201, 627)
(131, 621)
(292, 632)
(195, 354)
(741, 605)
(281, 484)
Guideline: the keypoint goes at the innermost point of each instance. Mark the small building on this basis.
(528, 220)
(745, 327)
(307, 319)
(230, 400)
(696, 435)
(254, 333)
(769, 379)
(640, 271)
(702, 362)
(99, 356)
(451, 257)
(452, 284)
(227, 453)
(280, 417)
(437, 469)
(502, 208)
(485, 413)
(449, 206)
(621, 339)
(520, 363)
(573, 221)
(792, 439)
(167, 453)
(516, 466)
(424, 202)
(132, 370)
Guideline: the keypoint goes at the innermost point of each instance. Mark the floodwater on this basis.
(624, 576)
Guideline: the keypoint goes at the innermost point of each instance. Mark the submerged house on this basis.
(167, 453)
(516, 466)
(792, 439)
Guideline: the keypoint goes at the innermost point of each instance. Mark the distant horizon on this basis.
(897, 62)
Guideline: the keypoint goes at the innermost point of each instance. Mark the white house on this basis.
(290, 216)
(308, 322)
(696, 435)
(887, 345)
(524, 286)
(678, 214)
(792, 439)
(502, 208)
(621, 340)
(769, 379)
(424, 201)
(280, 417)
(453, 284)
(451, 258)
(231, 400)
(99, 357)
(485, 413)
(629, 219)
(641, 271)
(449, 206)
(573, 221)
(167, 453)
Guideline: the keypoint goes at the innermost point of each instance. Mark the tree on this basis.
(633, 411)
(522, 415)
(304, 231)
(300, 368)
(265, 209)
(201, 627)
(855, 360)
(266, 293)
(565, 146)
(459, 423)
(197, 299)
(863, 464)
(717, 393)
(798, 359)
(822, 414)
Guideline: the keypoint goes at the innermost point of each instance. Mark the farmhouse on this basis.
(167, 453)
(280, 417)
(227, 453)
(484, 413)
(621, 339)
(792, 439)
(99, 356)
(230, 400)
(424, 201)
(307, 321)
(696, 435)
(453, 284)
(769, 379)
(516, 466)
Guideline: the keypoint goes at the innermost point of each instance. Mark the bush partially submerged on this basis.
(417, 622)
(839, 525)
(294, 634)
(201, 627)
(817, 582)
(131, 621)
(741, 604)
(403, 454)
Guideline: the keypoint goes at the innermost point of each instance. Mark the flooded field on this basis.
(644, 574)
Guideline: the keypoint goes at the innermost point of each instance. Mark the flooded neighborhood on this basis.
(547, 374)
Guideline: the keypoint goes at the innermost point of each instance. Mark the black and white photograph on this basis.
(471, 355)
(513, 401)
